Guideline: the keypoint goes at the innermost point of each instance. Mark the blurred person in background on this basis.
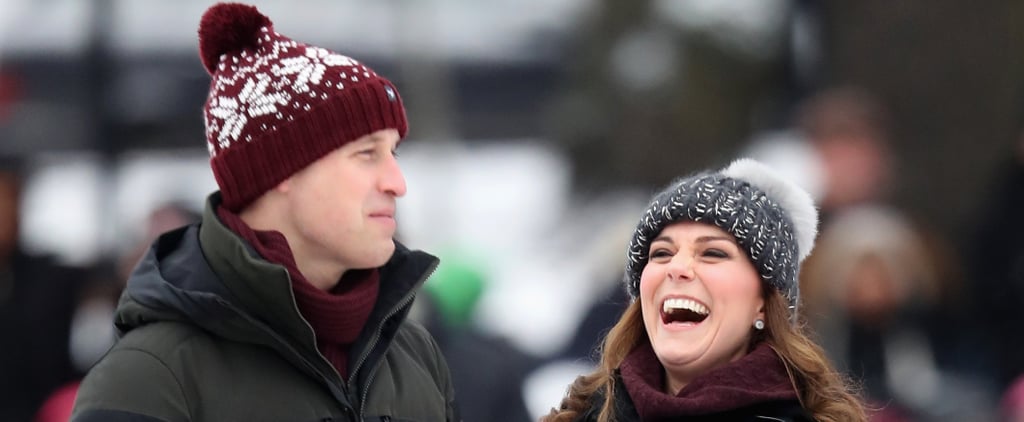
(713, 332)
(897, 276)
(92, 333)
(487, 371)
(849, 131)
(289, 301)
(37, 300)
(852, 166)
(880, 317)
(916, 301)
(838, 150)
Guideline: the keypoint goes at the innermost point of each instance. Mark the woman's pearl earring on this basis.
(759, 324)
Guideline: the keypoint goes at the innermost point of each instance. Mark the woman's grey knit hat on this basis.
(772, 219)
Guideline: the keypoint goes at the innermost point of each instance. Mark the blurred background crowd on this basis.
(538, 130)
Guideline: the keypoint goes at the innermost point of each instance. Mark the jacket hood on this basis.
(174, 282)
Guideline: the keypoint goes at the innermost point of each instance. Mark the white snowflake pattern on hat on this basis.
(262, 93)
(254, 100)
(310, 68)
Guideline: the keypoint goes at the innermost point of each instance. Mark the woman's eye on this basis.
(394, 153)
(660, 253)
(715, 253)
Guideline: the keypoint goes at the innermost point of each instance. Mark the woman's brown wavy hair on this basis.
(825, 393)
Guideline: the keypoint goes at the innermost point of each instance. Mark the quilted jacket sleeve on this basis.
(130, 385)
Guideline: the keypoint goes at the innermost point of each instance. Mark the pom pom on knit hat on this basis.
(277, 105)
(772, 219)
(796, 202)
(226, 28)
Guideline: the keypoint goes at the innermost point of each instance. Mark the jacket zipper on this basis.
(344, 387)
(288, 345)
(406, 301)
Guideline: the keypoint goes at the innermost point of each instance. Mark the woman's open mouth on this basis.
(683, 311)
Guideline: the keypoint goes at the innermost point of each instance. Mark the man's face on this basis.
(342, 206)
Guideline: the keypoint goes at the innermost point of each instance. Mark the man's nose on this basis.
(392, 181)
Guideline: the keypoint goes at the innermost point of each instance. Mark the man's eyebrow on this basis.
(377, 138)
(369, 141)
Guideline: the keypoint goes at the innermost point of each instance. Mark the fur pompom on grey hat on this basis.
(773, 220)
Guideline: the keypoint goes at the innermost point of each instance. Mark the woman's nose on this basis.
(681, 268)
